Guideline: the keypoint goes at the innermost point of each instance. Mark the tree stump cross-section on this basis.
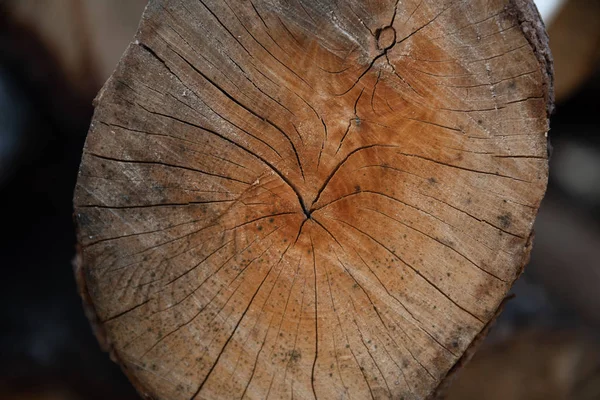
(311, 199)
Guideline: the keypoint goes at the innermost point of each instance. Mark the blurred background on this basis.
(55, 56)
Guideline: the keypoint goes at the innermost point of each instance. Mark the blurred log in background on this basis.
(54, 57)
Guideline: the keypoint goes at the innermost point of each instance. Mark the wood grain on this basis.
(311, 199)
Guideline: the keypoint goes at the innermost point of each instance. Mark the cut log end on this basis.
(300, 200)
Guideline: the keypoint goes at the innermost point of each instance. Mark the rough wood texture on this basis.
(304, 199)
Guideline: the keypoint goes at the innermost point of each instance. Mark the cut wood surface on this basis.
(311, 199)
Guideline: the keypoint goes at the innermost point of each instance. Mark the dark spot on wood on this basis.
(294, 355)
(505, 220)
(83, 219)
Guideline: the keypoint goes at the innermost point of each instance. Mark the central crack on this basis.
(307, 211)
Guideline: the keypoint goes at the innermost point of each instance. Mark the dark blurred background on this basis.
(54, 57)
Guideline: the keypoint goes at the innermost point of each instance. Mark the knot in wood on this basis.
(386, 38)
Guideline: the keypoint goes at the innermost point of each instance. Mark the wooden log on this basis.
(549, 365)
(86, 37)
(575, 36)
(311, 199)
